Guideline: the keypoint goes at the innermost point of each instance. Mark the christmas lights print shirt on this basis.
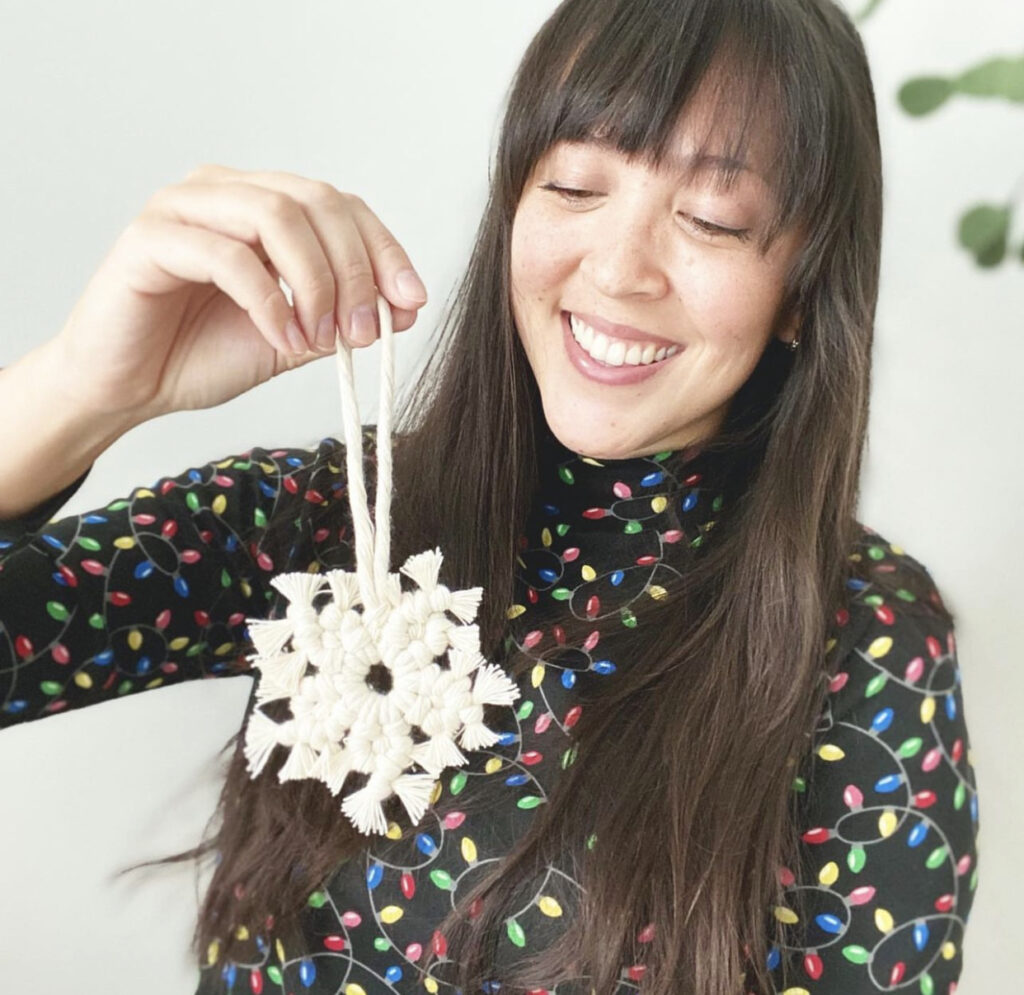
(155, 588)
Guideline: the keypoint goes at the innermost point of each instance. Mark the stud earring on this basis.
(791, 346)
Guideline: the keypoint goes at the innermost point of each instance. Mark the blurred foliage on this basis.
(997, 77)
(867, 11)
(983, 229)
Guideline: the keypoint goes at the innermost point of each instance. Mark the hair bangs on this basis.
(635, 81)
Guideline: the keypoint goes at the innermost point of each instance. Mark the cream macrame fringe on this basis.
(320, 659)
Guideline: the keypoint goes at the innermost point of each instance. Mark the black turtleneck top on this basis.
(154, 589)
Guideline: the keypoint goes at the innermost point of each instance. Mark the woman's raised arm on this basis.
(187, 311)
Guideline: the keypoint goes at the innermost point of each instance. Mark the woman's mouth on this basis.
(609, 360)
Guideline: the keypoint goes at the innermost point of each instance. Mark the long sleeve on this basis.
(154, 588)
(889, 814)
(14, 529)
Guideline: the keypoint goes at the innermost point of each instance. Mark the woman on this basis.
(739, 762)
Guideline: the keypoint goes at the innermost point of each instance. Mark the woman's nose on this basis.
(625, 260)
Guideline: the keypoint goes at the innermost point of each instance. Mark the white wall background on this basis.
(103, 103)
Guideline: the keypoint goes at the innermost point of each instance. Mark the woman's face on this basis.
(634, 251)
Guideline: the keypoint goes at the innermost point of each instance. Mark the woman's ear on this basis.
(790, 329)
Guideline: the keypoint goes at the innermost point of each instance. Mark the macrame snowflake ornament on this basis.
(366, 667)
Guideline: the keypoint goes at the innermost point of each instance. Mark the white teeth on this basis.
(617, 352)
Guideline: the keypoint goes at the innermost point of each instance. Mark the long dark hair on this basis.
(741, 644)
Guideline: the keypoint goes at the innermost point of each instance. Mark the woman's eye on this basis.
(568, 192)
(712, 229)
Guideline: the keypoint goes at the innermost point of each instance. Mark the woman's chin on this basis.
(589, 435)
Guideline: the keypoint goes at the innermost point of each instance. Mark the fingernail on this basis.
(325, 331)
(411, 286)
(294, 336)
(364, 328)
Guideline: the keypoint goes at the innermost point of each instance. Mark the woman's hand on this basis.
(186, 310)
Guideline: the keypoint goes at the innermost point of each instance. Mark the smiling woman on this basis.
(740, 760)
(629, 259)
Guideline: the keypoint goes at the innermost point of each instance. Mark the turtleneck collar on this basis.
(626, 495)
(603, 536)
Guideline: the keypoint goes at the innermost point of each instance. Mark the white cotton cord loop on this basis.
(382, 510)
(373, 542)
(327, 662)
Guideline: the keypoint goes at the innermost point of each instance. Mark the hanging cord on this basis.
(373, 541)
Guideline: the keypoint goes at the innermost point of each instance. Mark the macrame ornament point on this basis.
(365, 664)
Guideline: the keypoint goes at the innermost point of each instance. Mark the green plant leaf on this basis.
(998, 77)
(924, 94)
(983, 230)
(867, 11)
